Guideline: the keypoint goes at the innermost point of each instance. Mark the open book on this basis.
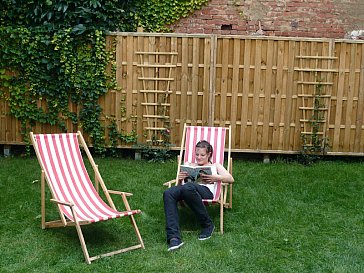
(195, 171)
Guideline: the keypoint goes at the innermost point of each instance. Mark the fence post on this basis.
(7, 150)
(212, 84)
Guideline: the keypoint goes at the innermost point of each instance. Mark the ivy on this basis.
(53, 54)
(53, 70)
(156, 16)
(79, 15)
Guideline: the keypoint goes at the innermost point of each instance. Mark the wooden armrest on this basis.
(169, 183)
(123, 196)
(62, 202)
(120, 193)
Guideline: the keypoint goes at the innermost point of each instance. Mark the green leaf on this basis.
(79, 29)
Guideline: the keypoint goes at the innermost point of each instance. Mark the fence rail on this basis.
(262, 86)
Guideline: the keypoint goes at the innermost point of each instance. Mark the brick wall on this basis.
(293, 18)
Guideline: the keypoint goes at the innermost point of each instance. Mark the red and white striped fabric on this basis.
(65, 171)
(216, 137)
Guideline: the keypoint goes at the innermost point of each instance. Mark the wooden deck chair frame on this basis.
(64, 221)
(224, 198)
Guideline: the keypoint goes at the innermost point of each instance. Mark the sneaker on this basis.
(206, 232)
(174, 244)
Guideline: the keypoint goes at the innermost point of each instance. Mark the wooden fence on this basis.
(266, 88)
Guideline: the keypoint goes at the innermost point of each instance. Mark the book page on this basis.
(195, 171)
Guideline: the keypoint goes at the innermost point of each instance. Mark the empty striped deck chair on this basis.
(216, 136)
(72, 191)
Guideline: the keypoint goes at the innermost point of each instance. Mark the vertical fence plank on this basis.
(206, 80)
(267, 114)
(184, 80)
(289, 122)
(278, 94)
(173, 97)
(235, 86)
(348, 137)
(245, 95)
(223, 84)
(194, 105)
(256, 106)
(337, 139)
(3, 120)
(359, 122)
(212, 80)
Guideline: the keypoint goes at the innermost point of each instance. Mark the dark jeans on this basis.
(192, 194)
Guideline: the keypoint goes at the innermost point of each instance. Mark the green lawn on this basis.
(286, 217)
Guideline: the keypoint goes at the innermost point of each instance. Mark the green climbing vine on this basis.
(53, 54)
(50, 71)
(156, 15)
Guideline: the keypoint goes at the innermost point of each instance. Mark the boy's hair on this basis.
(205, 144)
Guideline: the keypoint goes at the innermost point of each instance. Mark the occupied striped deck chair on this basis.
(216, 136)
(72, 191)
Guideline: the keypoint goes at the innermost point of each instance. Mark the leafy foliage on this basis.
(53, 53)
(156, 15)
(49, 71)
(157, 150)
(152, 153)
(77, 15)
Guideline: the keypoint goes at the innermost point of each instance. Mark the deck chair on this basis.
(72, 191)
(216, 136)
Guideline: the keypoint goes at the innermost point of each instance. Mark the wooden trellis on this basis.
(156, 76)
(315, 89)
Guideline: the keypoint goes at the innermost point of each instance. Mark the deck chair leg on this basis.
(127, 206)
(42, 185)
(82, 239)
(231, 196)
(83, 244)
(221, 216)
(137, 230)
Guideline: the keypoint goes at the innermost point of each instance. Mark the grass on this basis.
(286, 217)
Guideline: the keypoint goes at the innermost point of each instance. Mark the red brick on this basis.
(315, 18)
